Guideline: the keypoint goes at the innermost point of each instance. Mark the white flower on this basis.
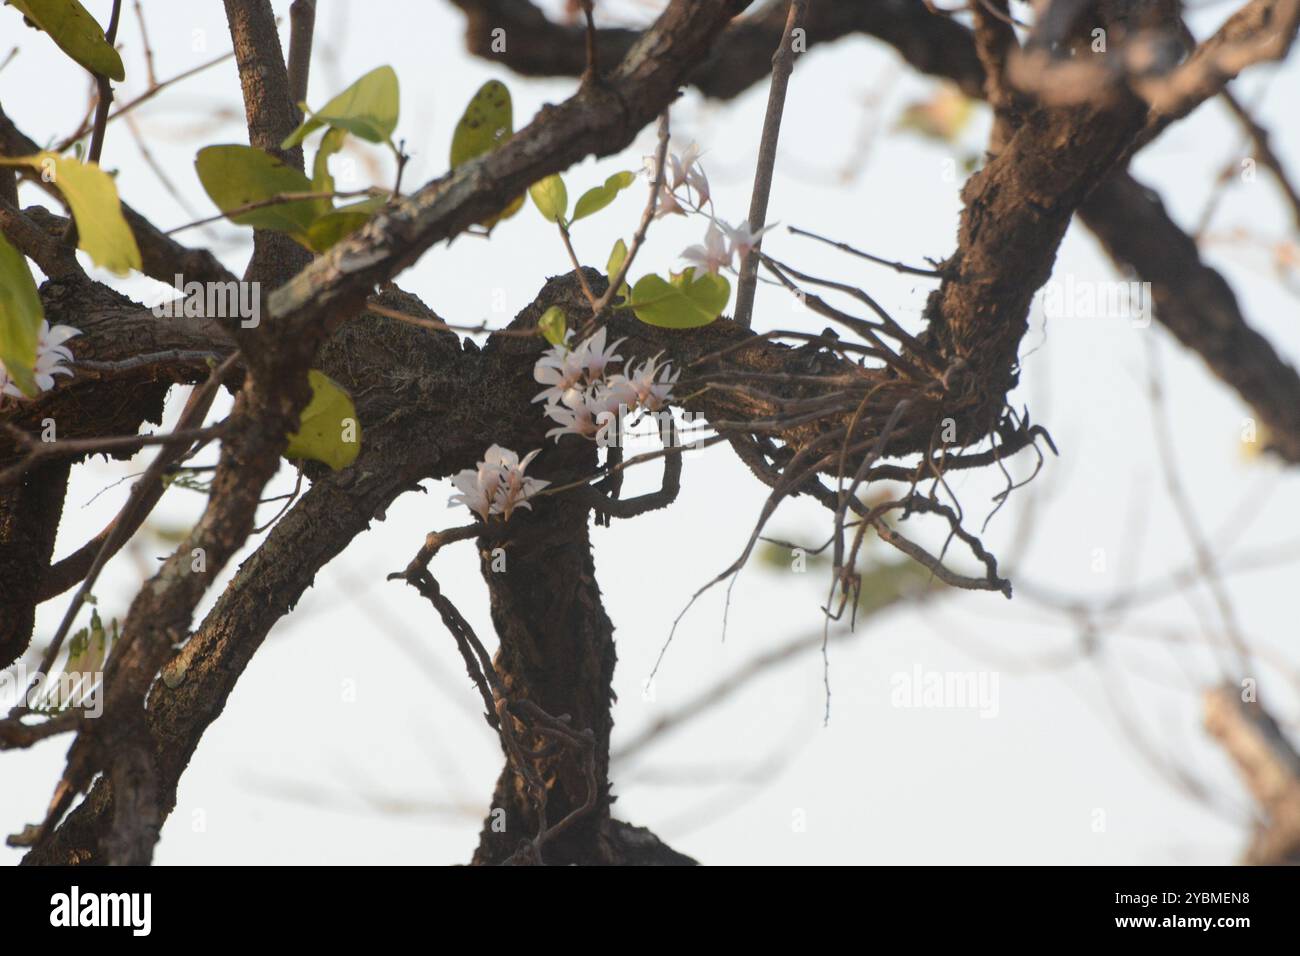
(679, 169)
(668, 204)
(569, 372)
(682, 165)
(743, 240)
(561, 369)
(514, 488)
(595, 356)
(713, 254)
(498, 485)
(696, 179)
(577, 418)
(51, 353)
(478, 488)
(652, 383)
(687, 169)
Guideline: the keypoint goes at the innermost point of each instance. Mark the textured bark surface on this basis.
(29, 519)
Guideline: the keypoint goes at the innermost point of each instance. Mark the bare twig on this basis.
(302, 22)
(782, 66)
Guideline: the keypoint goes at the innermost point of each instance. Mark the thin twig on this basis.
(845, 247)
(302, 23)
(782, 66)
(105, 91)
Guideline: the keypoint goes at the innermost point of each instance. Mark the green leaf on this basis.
(597, 198)
(76, 33)
(91, 194)
(343, 221)
(331, 143)
(368, 109)
(683, 303)
(237, 176)
(488, 121)
(328, 430)
(20, 318)
(554, 324)
(550, 197)
(617, 256)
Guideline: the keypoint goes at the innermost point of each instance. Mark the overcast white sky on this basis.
(293, 772)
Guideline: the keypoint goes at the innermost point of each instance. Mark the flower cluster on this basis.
(680, 169)
(498, 485)
(51, 353)
(723, 244)
(582, 395)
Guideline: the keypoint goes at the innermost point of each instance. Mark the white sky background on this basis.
(294, 773)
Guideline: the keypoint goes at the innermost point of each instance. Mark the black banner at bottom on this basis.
(994, 904)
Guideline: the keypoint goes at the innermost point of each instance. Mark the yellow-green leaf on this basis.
(685, 302)
(328, 430)
(368, 109)
(76, 33)
(617, 256)
(238, 176)
(598, 197)
(488, 121)
(550, 197)
(20, 318)
(343, 221)
(554, 324)
(91, 194)
(331, 143)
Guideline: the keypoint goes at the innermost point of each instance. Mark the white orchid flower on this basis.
(713, 254)
(596, 357)
(681, 165)
(743, 239)
(696, 179)
(514, 488)
(498, 485)
(560, 369)
(473, 485)
(576, 419)
(668, 204)
(652, 383)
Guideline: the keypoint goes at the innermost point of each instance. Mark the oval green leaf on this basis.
(488, 121)
(550, 197)
(91, 195)
(331, 143)
(685, 302)
(343, 221)
(239, 176)
(554, 324)
(368, 109)
(76, 33)
(20, 318)
(617, 256)
(598, 197)
(328, 430)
